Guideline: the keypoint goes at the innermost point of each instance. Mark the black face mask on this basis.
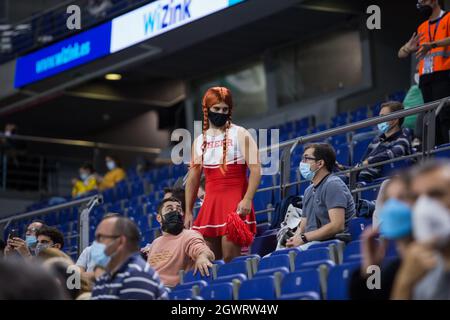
(425, 11)
(218, 119)
(172, 223)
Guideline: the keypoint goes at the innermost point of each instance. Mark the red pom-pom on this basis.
(238, 231)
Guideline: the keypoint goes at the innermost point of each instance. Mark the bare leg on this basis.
(229, 250)
(216, 246)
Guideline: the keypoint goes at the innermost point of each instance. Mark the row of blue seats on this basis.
(312, 280)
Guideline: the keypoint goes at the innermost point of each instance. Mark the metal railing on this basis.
(429, 109)
(39, 172)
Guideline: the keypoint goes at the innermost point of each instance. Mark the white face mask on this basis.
(431, 220)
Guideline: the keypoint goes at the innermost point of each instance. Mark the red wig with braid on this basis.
(214, 96)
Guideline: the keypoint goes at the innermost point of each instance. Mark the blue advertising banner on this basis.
(64, 55)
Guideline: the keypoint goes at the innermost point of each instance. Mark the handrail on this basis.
(82, 143)
(47, 209)
(360, 124)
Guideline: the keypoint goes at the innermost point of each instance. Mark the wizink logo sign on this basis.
(167, 14)
(65, 55)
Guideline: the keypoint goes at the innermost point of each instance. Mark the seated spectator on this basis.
(327, 203)
(395, 225)
(393, 142)
(127, 276)
(25, 248)
(115, 174)
(85, 261)
(424, 273)
(87, 181)
(49, 237)
(30, 282)
(177, 249)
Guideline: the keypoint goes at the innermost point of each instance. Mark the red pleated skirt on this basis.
(223, 192)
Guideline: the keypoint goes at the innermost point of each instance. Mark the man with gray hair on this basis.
(127, 276)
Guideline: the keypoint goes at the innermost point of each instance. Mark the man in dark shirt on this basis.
(393, 142)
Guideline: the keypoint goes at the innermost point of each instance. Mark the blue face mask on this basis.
(30, 241)
(305, 170)
(395, 219)
(98, 254)
(383, 127)
(84, 176)
(110, 165)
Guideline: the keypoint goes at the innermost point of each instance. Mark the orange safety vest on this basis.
(438, 58)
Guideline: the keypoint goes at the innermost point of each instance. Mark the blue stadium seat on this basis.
(298, 282)
(272, 271)
(305, 295)
(272, 262)
(219, 291)
(219, 262)
(137, 188)
(262, 200)
(261, 228)
(262, 217)
(352, 251)
(122, 190)
(229, 279)
(232, 268)
(285, 251)
(343, 154)
(189, 285)
(190, 277)
(264, 245)
(357, 225)
(440, 153)
(186, 294)
(243, 258)
(338, 281)
(259, 288)
(359, 149)
(302, 124)
(108, 195)
(313, 258)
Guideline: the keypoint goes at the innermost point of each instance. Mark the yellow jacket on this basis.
(81, 187)
(111, 178)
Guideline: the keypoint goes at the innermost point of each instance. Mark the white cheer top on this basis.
(214, 148)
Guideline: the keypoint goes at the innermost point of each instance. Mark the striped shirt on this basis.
(384, 148)
(134, 280)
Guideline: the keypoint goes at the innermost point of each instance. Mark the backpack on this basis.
(365, 208)
(281, 208)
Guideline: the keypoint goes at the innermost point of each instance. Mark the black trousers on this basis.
(434, 90)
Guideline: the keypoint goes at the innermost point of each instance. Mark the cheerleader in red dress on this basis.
(224, 152)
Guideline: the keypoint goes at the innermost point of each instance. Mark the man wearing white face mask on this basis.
(327, 204)
(425, 271)
(393, 142)
(127, 276)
